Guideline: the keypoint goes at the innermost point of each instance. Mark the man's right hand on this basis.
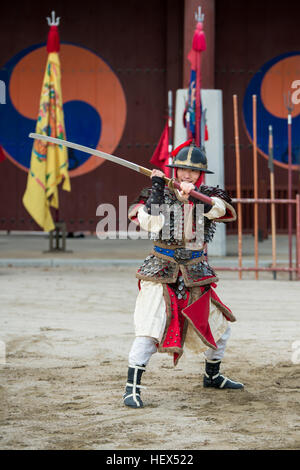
(157, 193)
(158, 173)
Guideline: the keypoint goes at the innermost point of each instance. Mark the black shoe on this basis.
(213, 378)
(131, 396)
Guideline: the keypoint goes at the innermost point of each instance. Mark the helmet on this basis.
(191, 157)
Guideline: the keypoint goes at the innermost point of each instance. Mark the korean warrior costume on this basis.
(177, 304)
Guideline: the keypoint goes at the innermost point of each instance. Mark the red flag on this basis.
(160, 157)
(2, 155)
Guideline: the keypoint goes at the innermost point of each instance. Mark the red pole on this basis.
(290, 108)
(298, 235)
(198, 100)
(264, 201)
(198, 46)
(226, 268)
(290, 188)
(238, 182)
(255, 177)
(272, 196)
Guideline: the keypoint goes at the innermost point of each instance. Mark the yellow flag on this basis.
(49, 162)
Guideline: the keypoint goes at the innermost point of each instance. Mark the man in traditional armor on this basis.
(177, 303)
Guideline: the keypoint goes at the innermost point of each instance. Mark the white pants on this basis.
(150, 315)
(144, 346)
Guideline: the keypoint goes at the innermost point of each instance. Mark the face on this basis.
(188, 176)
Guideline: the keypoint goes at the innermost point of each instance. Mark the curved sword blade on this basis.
(82, 148)
(120, 161)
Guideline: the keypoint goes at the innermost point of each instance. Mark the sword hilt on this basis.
(174, 184)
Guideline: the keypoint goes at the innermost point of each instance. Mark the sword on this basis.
(120, 161)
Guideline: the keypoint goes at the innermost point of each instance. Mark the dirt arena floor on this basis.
(67, 333)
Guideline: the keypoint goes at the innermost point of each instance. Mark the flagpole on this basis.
(199, 45)
(170, 134)
(54, 21)
(198, 101)
(48, 164)
(289, 106)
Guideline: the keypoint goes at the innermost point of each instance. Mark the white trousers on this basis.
(144, 346)
(150, 315)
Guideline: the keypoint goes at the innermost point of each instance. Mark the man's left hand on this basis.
(186, 188)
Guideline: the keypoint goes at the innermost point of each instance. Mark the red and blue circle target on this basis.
(271, 85)
(94, 104)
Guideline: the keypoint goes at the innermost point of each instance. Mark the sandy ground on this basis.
(67, 333)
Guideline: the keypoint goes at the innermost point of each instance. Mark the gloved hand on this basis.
(157, 194)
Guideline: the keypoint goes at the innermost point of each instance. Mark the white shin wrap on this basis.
(218, 354)
(141, 351)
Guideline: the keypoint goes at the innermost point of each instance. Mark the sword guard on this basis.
(170, 183)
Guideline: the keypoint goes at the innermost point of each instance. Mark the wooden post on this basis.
(298, 235)
(289, 106)
(272, 196)
(254, 107)
(238, 182)
(263, 212)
